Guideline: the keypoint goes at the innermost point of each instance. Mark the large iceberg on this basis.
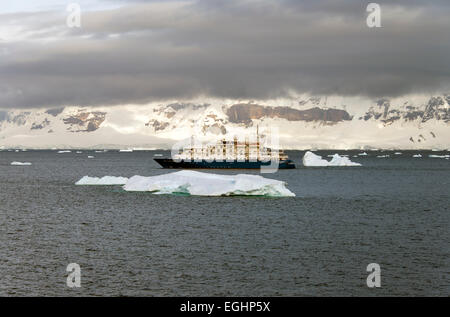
(206, 184)
(197, 183)
(311, 159)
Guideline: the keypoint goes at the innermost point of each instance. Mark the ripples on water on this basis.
(392, 211)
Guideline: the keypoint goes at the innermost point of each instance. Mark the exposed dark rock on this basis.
(55, 112)
(90, 121)
(244, 113)
(434, 110)
(157, 125)
(41, 125)
(179, 106)
(3, 115)
(20, 119)
(437, 108)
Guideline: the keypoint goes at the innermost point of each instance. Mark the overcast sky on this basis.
(141, 51)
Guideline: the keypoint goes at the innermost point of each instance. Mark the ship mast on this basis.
(257, 142)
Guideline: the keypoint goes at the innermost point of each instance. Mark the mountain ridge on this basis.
(304, 122)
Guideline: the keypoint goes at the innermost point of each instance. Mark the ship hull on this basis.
(169, 163)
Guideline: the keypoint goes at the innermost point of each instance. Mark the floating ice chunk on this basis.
(363, 154)
(78, 152)
(311, 159)
(90, 156)
(417, 155)
(438, 156)
(21, 163)
(206, 184)
(126, 150)
(383, 156)
(398, 153)
(157, 155)
(342, 161)
(64, 151)
(105, 180)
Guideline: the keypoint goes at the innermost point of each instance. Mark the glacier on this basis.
(197, 184)
(311, 159)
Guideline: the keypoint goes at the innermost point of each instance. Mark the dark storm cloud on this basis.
(232, 49)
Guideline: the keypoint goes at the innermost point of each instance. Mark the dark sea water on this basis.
(392, 211)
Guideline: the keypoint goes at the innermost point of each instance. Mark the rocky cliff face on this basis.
(436, 108)
(84, 121)
(245, 113)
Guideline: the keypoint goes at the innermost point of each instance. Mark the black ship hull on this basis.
(170, 163)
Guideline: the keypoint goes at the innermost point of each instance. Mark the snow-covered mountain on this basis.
(303, 122)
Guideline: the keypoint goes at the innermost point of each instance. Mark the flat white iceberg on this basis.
(311, 159)
(21, 163)
(398, 153)
(105, 180)
(64, 151)
(363, 154)
(438, 156)
(207, 184)
(382, 156)
(417, 155)
(197, 183)
(126, 150)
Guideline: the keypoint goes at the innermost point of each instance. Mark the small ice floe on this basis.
(417, 155)
(157, 154)
(363, 154)
(311, 159)
(64, 151)
(198, 184)
(398, 153)
(383, 156)
(439, 156)
(90, 156)
(126, 150)
(78, 152)
(21, 163)
(105, 180)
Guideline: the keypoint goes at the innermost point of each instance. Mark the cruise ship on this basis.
(228, 155)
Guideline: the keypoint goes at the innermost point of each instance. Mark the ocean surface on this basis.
(391, 211)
